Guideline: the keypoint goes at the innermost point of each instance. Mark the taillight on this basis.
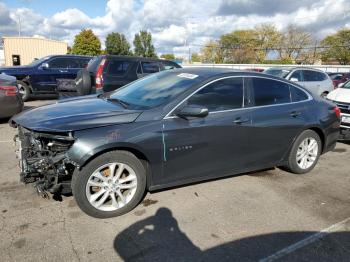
(337, 111)
(9, 90)
(99, 75)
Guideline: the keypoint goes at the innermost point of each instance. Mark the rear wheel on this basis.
(24, 90)
(110, 185)
(305, 152)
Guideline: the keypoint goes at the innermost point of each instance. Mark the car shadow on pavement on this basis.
(159, 238)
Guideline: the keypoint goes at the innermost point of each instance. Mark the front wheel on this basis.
(305, 152)
(110, 185)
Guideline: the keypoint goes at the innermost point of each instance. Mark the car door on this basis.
(116, 74)
(276, 120)
(211, 146)
(46, 77)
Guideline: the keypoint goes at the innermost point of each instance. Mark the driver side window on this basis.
(221, 95)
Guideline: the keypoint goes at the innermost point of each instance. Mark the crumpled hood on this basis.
(340, 95)
(75, 114)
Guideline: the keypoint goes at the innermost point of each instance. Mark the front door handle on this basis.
(295, 114)
(239, 121)
(64, 71)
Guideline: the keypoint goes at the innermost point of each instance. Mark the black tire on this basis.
(80, 179)
(24, 90)
(292, 165)
(324, 94)
(83, 83)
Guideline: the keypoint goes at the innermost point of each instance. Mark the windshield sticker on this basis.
(186, 75)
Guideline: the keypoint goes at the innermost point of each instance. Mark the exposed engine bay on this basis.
(43, 161)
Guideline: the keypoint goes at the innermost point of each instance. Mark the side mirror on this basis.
(341, 84)
(294, 79)
(44, 66)
(192, 111)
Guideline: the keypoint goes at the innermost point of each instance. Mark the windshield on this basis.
(38, 61)
(346, 85)
(155, 90)
(277, 72)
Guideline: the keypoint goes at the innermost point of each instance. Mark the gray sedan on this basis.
(10, 99)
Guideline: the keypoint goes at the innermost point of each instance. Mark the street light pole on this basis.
(19, 26)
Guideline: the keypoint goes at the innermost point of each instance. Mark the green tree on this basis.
(268, 39)
(143, 44)
(116, 44)
(168, 56)
(239, 46)
(212, 52)
(86, 43)
(195, 57)
(337, 46)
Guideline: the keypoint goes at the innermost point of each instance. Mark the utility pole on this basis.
(19, 26)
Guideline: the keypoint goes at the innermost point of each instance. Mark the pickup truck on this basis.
(40, 77)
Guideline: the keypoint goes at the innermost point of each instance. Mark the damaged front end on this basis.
(43, 160)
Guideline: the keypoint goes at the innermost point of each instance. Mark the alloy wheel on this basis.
(307, 153)
(111, 186)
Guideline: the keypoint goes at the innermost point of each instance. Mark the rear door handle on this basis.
(64, 71)
(239, 121)
(295, 114)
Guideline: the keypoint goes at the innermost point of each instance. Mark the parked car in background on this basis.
(314, 80)
(40, 77)
(339, 78)
(171, 128)
(341, 97)
(10, 99)
(109, 72)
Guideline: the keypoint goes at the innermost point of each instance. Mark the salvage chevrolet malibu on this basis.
(174, 127)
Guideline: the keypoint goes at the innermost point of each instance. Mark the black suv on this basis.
(40, 77)
(109, 72)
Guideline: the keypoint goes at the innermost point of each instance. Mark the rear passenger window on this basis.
(310, 76)
(270, 92)
(221, 95)
(117, 68)
(297, 75)
(297, 94)
(149, 67)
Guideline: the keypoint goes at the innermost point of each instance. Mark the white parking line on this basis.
(6, 141)
(307, 241)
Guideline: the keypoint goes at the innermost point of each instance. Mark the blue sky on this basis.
(176, 25)
(50, 7)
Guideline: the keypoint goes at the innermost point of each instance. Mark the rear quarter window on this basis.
(297, 94)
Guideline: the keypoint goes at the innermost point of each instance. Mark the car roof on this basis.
(136, 58)
(217, 72)
(290, 68)
(70, 55)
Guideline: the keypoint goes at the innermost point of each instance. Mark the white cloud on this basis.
(174, 22)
